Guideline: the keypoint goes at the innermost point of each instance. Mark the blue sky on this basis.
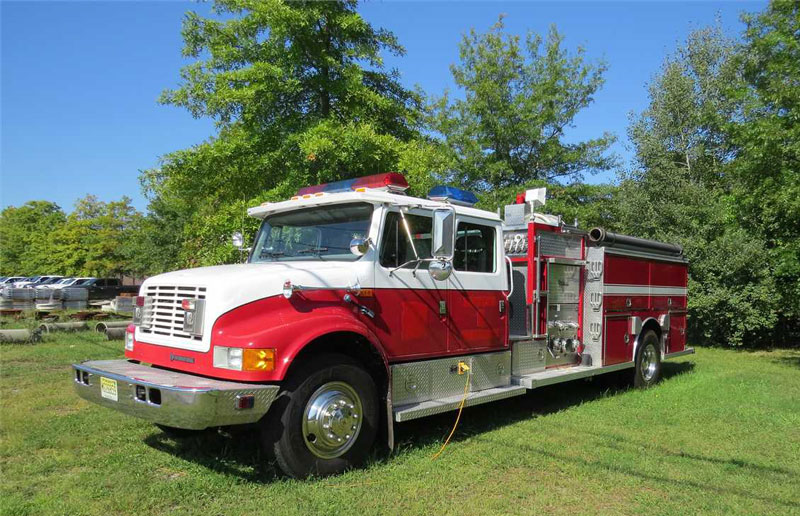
(80, 79)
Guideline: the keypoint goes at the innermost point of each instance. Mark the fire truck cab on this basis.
(360, 307)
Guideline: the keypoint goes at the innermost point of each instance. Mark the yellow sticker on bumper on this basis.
(108, 388)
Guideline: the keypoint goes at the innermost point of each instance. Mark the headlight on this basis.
(240, 359)
(193, 315)
(139, 317)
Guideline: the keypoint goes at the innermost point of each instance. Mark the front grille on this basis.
(163, 314)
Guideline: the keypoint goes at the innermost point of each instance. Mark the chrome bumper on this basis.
(169, 398)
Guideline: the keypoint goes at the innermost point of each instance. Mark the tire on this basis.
(177, 433)
(648, 361)
(292, 431)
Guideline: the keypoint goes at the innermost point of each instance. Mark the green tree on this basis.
(680, 191)
(519, 100)
(24, 233)
(767, 138)
(92, 239)
(300, 96)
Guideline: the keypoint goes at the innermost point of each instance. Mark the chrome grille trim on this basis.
(163, 315)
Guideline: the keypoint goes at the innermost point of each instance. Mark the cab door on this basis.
(411, 307)
(477, 303)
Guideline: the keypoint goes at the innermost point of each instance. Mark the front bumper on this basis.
(170, 398)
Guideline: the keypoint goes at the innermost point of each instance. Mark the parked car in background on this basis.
(55, 283)
(10, 280)
(36, 280)
(24, 281)
(64, 282)
(106, 288)
(49, 282)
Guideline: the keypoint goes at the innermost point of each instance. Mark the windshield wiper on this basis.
(313, 250)
(272, 254)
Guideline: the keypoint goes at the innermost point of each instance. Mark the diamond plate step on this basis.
(551, 376)
(428, 408)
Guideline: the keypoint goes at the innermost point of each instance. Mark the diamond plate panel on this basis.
(490, 370)
(556, 244)
(415, 382)
(411, 382)
(528, 356)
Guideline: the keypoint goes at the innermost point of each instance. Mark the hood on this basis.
(230, 286)
(258, 280)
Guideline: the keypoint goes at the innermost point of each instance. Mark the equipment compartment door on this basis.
(476, 300)
(617, 344)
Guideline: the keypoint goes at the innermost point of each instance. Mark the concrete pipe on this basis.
(103, 326)
(20, 335)
(115, 333)
(66, 326)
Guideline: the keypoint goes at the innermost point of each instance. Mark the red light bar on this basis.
(390, 181)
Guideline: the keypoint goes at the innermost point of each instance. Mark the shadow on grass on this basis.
(238, 454)
(792, 361)
(535, 403)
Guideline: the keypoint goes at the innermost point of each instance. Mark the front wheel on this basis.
(325, 420)
(648, 361)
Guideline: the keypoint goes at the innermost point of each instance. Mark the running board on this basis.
(564, 374)
(687, 351)
(429, 408)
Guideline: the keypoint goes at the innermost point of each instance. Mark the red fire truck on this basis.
(360, 307)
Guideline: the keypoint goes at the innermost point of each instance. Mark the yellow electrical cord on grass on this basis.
(465, 368)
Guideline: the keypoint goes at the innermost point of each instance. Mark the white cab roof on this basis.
(371, 196)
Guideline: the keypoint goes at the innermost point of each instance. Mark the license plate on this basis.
(108, 388)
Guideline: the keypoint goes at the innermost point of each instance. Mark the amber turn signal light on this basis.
(258, 360)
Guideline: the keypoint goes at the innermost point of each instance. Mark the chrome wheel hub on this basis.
(649, 362)
(332, 420)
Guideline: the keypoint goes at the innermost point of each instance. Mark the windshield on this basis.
(321, 233)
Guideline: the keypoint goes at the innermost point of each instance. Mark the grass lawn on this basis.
(720, 434)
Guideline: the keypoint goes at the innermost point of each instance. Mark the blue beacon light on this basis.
(452, 195)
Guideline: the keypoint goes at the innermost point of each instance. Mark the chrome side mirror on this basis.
(440, 270)
(444, 222)
(360, 246)
(238, 240)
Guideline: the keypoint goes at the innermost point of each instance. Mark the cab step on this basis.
(437, 406)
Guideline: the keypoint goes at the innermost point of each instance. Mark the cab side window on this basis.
(474, 250)
(396, 246)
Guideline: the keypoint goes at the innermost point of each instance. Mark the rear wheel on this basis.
(325, 420)
(648, 361)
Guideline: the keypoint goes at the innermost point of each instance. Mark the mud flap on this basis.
(389, 419)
